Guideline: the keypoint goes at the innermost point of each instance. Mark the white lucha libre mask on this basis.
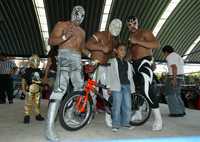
(78, 14)
(34, 61)
(115, 27)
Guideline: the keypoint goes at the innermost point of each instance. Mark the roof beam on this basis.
(105, 14)
(170, 8)
(188, 52)
(42, 20)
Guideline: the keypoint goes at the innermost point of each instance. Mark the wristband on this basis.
(64, 37)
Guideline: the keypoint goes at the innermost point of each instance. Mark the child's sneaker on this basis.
(115, 129)
(129, 127)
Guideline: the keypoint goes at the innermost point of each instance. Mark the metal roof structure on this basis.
(21, 34)
(19, 29)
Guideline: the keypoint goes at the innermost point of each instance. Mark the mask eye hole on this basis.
(132, 23)
(129, 24)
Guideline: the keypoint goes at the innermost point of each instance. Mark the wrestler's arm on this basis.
(108, 46)
(94, 43)
(58, 35)
(149, 40)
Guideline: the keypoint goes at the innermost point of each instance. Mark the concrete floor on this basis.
(13, 130)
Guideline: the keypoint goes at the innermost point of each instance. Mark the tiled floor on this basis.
(13, 130)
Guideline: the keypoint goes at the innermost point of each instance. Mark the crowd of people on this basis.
(127, 71)
(7, 70)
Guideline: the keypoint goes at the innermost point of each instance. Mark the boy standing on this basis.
(121, 86)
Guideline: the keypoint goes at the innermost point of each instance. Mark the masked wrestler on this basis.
(143, 41)
(101, 46)
(70, 38)
(31, 81)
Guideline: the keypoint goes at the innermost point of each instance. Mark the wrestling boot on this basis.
(137, 115)
(39, 117)
(51, 116)
(157, 124)
(108, 119)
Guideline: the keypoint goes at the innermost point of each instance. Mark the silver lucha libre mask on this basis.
(34, 61)
(115, 27)
(78, 14)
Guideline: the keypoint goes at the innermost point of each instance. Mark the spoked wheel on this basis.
(74, 114)
(141, 110)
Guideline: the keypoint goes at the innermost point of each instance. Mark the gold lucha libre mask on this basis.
(34, 61)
